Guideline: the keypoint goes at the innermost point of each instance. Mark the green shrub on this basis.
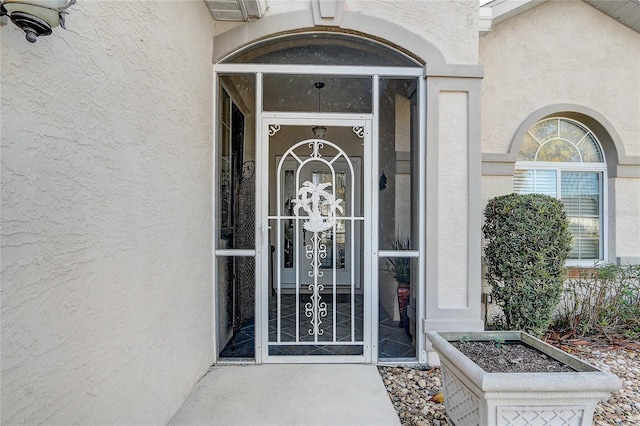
(527, 243)
(604, 300)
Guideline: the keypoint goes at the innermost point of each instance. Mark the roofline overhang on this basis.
(627, 12)
(236, 10)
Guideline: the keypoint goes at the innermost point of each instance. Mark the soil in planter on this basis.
(509, 357)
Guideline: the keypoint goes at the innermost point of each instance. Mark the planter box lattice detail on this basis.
(474, 397)
(461, 403)
(568, 416)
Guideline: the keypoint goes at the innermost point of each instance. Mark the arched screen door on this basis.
(315, 299)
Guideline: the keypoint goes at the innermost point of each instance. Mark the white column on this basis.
(454, 204)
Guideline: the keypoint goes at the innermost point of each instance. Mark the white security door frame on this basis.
(354, 215)
(369, 188)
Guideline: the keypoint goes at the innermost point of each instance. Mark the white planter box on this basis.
(475, 397)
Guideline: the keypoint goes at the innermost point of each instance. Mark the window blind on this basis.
(534, 181)
(580, 195)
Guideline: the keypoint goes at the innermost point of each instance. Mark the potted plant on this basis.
(400, 269)
(474, 396)
(527, 244)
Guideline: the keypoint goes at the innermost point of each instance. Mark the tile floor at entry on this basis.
(394, 341)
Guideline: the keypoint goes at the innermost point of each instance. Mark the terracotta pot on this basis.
(403, 299)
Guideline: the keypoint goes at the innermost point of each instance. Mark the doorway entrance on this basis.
(331, 183)
(318, 219)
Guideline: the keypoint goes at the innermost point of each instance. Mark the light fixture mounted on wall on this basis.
(319, 131)
(36, 17)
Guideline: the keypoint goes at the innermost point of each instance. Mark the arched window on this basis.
(322, 48)
(562, 158)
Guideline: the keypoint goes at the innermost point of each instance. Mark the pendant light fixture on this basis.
(319, 131)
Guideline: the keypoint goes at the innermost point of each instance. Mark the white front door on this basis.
(316, 304)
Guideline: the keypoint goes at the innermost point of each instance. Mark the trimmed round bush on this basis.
(527, 242)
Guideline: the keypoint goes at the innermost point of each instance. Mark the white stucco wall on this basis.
(626, 215)
(559, 52)
(106, 214)
(567, 53)
(450, 26)
(453, 210)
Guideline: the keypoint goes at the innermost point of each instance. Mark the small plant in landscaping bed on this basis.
(604, 300)
(527, 244)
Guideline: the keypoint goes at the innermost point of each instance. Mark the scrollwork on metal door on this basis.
(315, 309)
(314, 222)
(314, 200)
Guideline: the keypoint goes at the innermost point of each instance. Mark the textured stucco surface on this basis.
(567, 53)
(559, 52)
(451, 26)
(106, 183)
(626, 215)
(493, 186)
(106, 214)
(453, 196)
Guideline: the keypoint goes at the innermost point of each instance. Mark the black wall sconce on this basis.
(383, 181)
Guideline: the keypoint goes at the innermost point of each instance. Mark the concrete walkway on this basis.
(293, 394)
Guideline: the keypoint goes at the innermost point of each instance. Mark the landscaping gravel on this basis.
(411, 390)
(623, 407)
(414, 391)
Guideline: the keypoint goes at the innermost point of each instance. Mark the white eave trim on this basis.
(486, 17)
(501, 10)
(627, 12)
(236, 10)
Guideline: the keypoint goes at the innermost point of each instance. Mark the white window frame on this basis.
(580, 167)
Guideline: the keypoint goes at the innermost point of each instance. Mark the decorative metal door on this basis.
(316, 301)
